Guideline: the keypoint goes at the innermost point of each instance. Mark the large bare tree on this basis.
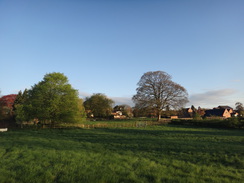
(156, 90)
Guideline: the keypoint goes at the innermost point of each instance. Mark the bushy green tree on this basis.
(52, 100)
(19, 104)
(240, 109)
(99, 105)
(81, 110)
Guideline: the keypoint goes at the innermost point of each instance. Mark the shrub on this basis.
(232, 122)
(197, 116)
(216, 123)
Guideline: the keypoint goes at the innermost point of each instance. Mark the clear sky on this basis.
(106, 46)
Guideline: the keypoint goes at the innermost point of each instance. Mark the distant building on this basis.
(186, 113)
(118, 115)
(220, 111)
(201, 111)
(224, 113)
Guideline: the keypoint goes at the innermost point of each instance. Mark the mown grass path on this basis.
(151, 154)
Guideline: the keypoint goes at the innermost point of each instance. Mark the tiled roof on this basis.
(224, 107)
(214, 112)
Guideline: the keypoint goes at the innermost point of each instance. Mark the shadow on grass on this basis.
(188, 144)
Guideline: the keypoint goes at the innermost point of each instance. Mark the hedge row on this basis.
(216, 123)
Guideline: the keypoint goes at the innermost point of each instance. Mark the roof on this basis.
(187, 109)
(224, 107)
(214, 112)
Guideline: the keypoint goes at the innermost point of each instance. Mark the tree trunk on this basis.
(159, 115)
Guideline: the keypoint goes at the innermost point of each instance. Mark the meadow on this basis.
(165, 153)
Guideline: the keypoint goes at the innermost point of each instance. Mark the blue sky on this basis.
(106, 46)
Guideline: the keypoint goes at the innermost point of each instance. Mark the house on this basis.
(89, 113)
(201, 111)
(230, 109)
(174, 117)
(234, 114)
(216, 112)
(118, 115)
(186, 113)
(219, 112)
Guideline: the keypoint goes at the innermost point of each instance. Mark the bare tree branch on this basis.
(156, 90)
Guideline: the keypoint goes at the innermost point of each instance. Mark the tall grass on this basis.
(151, 154)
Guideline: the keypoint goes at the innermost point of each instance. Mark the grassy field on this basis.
(151, 154)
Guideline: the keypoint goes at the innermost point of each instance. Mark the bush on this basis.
(232, 122)
(216, 123)
(197, 116)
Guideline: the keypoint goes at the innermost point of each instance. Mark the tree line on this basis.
(53, 100)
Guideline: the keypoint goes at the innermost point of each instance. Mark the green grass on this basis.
(115, 121)
(151, 154)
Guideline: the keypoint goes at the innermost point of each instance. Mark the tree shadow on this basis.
(179, 144)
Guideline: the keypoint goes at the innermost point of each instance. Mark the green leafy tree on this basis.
(98, 105)
(81, 110)
(21, 97)
(240, 108)
(53, 100)
(156, 90)
(19, 104)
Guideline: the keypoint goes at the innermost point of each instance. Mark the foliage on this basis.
(169, 113)
(81, 110)
(156, 90)
(98, 105)
(19, 104)
(233, 122)
(139, 111)
(196, 116)
(21, 97)
(8, 100)
(125, 109)
(20, 114)
(53, 100)
(6, 107)
(122, 155)
(240, 108)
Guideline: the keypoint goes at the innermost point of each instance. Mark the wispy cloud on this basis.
(212, 98)
(209, 99)
(117, 100)
(236, 81)
(84, 94)
(122, 100)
